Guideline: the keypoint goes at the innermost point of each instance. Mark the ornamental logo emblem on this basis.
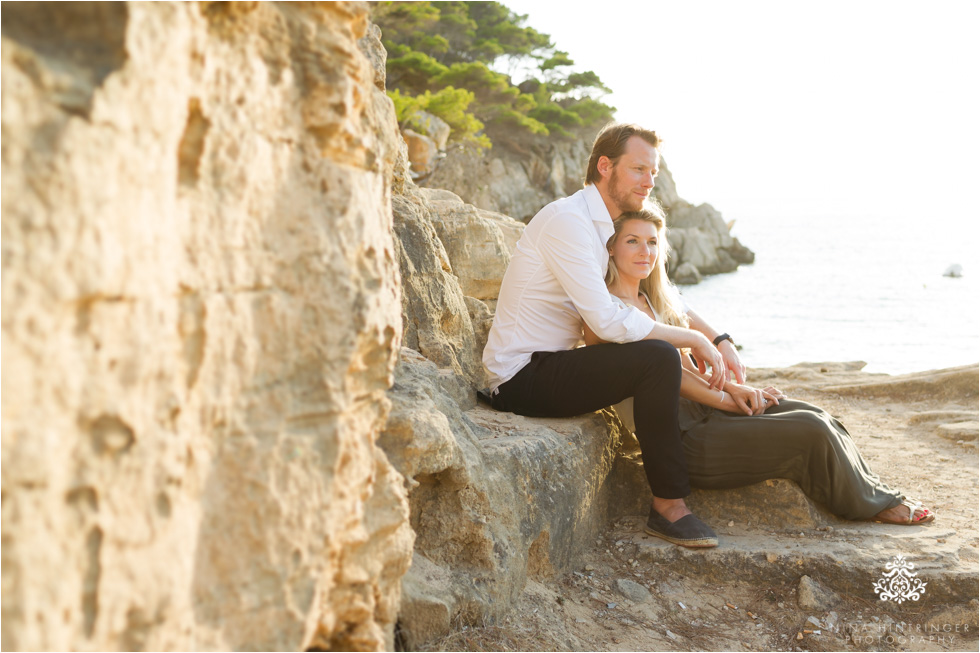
(898, 583)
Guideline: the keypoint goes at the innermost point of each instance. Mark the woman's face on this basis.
(636, 249)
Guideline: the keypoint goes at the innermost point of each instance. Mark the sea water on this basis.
(850, 288)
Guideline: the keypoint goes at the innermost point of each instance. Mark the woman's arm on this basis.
(738, 399)
(695, 388)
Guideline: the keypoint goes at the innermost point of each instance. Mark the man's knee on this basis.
(653, 359)
(659, 351)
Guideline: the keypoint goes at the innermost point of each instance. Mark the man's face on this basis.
(633, 174)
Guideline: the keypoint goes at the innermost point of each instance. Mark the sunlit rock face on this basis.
(496, 498)
(515, 184)
(201, 315)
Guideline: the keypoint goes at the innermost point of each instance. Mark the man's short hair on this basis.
(611, 142)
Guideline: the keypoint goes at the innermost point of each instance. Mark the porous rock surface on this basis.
(436, 316)
(517, 184)
(201, 317)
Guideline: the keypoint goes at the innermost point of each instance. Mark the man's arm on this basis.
(681, 338)
(705, 352)
(566, 245)
(729, 353)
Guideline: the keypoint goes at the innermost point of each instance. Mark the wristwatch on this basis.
(724, 336)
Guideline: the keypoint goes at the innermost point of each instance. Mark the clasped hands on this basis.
(724, 362)
(753, 401)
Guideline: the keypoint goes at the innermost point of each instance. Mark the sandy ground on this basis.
(919, 432)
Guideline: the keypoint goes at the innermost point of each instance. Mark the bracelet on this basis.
(717, 341)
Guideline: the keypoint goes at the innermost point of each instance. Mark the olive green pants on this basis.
(793, 440)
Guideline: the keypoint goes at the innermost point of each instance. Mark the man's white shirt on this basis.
(553, 282)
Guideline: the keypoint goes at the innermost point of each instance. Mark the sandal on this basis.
(924, 515)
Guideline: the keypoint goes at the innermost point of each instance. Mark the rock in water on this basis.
(687, 274)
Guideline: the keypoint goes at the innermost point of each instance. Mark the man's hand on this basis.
(732, 361)
(751, 401)
(707, 356)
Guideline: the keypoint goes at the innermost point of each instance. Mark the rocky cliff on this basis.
(201, 318)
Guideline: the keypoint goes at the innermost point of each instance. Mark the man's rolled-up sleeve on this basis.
(566, 248)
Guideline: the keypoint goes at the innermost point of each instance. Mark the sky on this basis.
(795, 108)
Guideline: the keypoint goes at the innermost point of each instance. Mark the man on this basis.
(554, 282)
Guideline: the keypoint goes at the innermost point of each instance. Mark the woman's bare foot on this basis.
(905, 513)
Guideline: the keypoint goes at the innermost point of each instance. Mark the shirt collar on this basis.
(597, 208)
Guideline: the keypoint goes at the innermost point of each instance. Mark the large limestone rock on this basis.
(950, 383)
(479, 243)
(437, 321)
(422, 152)
(432, 126)
(496, 498)
(200, 314)
(517, 185)
(452, 258)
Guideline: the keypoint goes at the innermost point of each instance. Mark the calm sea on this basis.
(848, 288)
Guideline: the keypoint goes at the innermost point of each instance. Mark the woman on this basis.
(744, 436)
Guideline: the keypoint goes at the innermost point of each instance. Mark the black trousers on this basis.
(579, 381)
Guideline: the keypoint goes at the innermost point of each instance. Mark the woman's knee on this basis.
(799, 404)
(815, 431)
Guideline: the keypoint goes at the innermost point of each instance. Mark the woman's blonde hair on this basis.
(656, 286)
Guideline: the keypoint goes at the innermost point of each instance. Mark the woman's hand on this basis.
(751, 401)
(775, 392)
